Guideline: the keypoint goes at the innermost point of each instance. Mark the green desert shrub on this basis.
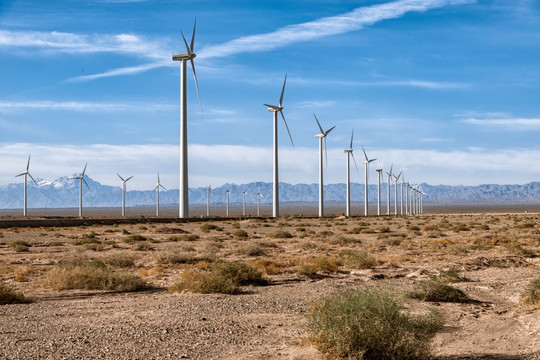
(20, 245)
(121, 260)
(280, 234)
(90, 275)
(437, 291)
(10, 296)
(312, 266)
(531, 295)
(207, 227)
(370, 325)
(357, 259)
(225, 278)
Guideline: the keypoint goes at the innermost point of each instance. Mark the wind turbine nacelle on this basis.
(184, 56)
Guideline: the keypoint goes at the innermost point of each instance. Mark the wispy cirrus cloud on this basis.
(523, 124)
(84, 106)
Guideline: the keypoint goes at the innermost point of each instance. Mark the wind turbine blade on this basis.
(158, 178)
(163, 187)
(187, 46)
(328, 131)
(355, 165)
(196, 85)
(282, 91)
(276, 108)
(129, 178)
(365, 155)
(85, 183)
(318, 123)
(193, 35)
(121, 178)
(391, 167)
(352, 135)
(372, 160)
(31, 177)
(21, 174)
(28, 163)
(287, 126)
(84, 170)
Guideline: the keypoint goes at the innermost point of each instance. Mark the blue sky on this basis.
(446, 90)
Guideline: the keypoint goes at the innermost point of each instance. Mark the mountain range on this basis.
(64, 192)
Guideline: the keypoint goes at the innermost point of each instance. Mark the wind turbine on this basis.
(277, 109)
(396, 178)
(244, 204)
(402, 184)
(208, 189)
(81, 180)
(349, 153)
(184, 58)
(379, 172)
(26, 174)
(124, 193)
(366, 163)
(227, 209)
(407, 198)
(158, 185)
(259, 195)
(388, 176)
(322, 136)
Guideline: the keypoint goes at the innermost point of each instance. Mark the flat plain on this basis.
(493, 257)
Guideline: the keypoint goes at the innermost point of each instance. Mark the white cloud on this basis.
(84, 106)
(523, 124)
(219, 164)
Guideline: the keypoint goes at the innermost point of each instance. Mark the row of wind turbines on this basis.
(413, 195)
(413, 203)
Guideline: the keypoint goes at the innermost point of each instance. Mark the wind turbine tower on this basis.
(124, 193)
(322, 136)
(366, 197)
(244, 203)
(158, 185)
(402, 184)
(227, 208)
(388, 176)
(208, 189)
(81, 180)
(349, 153)
(275, 109)
(259, 195)
(184, 58)
(396, 178)
(379, 171)
(26, 174)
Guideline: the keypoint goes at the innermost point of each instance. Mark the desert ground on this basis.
(304, 260)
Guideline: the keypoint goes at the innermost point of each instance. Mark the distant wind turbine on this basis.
(26, 174)
(388, 176)
(227, 208)
(396, 178)
(244, 204)
(402, 184)
(208, 189)
(81, 180)
(158, 185)
(366, 198)
(322, 136)
(379, 173)
(275, 109)
(259, 195)
(124, 193)
(184, 58)
(349, 153)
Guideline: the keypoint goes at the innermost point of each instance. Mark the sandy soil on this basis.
(496, 252)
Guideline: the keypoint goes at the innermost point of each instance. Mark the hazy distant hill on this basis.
(64, 192)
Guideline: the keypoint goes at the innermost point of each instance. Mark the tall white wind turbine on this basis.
(158, 185)
(366, 164)
(379, 171)
(322, 136)
(396, 178)
(349, 153)
(26, 174)
(402, 184)
(275, 109)
(184, 58)
(388, 176)
(81, 180)
(124, 181)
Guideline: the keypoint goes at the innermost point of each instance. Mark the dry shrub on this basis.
(24, 273)
(143, 246)
(155, 271)
(370, 325)
(10, 296)
(170, 230)
(270, 267)
(357, 259)
(225, 278)
(280, 234)
(531, 294)
(185, 237)
(90, 275)
(175, 258)
(208, 227)
(132, 239)
(344, 240)
(20, 245)
(515, 248)
(252, 250)
(312, 266)
(121, 260)
(241, 234)
(436, 290)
